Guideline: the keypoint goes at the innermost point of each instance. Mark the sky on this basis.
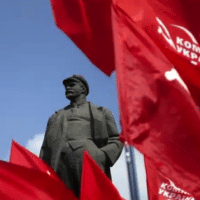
(35, 56)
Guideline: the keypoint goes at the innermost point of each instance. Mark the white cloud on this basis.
(35, 143)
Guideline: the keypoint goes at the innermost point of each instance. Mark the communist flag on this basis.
(159, 117)
(174, 28)
(95, 184)
(156, 57)
(160, 187)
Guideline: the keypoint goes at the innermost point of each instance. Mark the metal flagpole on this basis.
(132, 175)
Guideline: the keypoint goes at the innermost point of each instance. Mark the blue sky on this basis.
(35, 56)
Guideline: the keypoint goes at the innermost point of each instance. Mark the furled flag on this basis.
(151, 40)
(95, 184)
(162, 188)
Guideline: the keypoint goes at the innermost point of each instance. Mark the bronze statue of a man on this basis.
(77, 127)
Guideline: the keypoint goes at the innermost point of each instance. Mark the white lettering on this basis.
(166, 194)
(169, 187)
(177, 189)
(186, 53)
(172, 195)
(179, 49)
(160, 191)
(196, 48)
(194, 62)
(193, 55)
(179, 40)
(163, 185)
(184, 192)
(187, 44)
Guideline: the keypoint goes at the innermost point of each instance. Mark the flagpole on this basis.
(132, 174)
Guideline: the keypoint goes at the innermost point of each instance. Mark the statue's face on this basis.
(73, 89)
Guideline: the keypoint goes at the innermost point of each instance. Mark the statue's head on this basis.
(75, 86)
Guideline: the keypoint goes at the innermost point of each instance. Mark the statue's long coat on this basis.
(104, 134)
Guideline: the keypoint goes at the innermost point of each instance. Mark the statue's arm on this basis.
(114, 146)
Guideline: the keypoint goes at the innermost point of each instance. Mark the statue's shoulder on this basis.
(58, 112)
(99, 108)
(101, 111)
(54, 115)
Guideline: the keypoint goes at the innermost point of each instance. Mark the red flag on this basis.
(19, 182)
(162, 188)
(21, 156)
(95, 184)
(88, 24)
(158, 114)
(175, 28)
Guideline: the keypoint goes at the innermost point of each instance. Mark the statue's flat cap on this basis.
(77, 78)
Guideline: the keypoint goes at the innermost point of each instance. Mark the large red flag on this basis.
(21, 156)
(95, 184)
(18, 182)
(158, 114)
(160, 187)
